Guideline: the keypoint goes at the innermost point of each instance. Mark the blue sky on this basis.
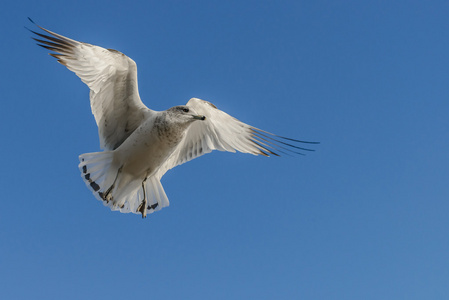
(363, 217)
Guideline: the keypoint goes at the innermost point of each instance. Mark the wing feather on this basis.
(223, 132)
(112, 79)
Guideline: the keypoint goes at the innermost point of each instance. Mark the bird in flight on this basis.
(140, 145)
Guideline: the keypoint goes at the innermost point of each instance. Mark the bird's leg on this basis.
(143, 206)
(107, 195)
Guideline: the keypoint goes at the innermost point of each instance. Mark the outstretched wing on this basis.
(223, 132)
(112, 79)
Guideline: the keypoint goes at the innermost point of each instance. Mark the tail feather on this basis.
(117, 190)
(155, 194)
(95, 169)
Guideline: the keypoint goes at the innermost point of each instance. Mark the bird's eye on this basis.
(186, 110)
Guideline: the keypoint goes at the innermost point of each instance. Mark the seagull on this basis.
(140, 144)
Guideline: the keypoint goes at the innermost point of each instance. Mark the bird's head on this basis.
(185, 114)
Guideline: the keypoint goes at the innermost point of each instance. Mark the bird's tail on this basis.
(118, 190)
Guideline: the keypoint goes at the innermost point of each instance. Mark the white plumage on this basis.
(141, 145)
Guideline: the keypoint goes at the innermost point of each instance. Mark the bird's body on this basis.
(138, 158)
(150, 145)
(141, 144)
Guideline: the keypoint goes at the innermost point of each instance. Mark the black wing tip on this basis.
(33, 23)
(277, 142)
(31, 20)
(32, 31)
(295, 140)
(257, 130)
(298, 141)
(273, 141)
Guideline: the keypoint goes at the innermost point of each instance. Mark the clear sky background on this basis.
(363, 217)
